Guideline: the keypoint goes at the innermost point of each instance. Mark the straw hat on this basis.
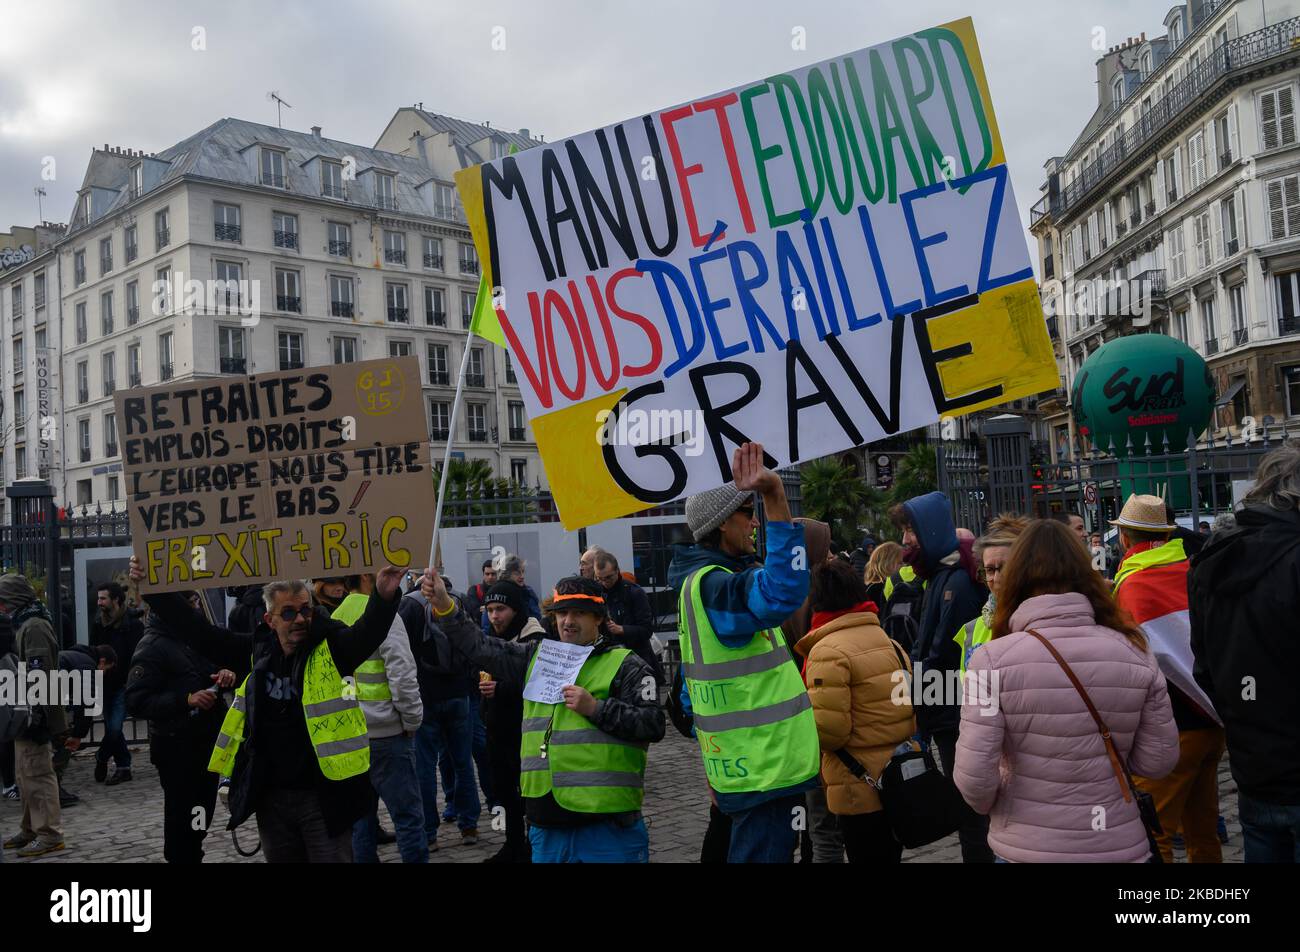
(1144, 513)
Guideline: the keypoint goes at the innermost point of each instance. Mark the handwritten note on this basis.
(557, 665)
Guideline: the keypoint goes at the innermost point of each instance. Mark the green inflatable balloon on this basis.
(1146, 385)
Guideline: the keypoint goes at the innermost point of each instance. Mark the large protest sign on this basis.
(304, 473)
(813, 261)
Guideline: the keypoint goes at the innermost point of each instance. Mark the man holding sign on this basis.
(584, 742)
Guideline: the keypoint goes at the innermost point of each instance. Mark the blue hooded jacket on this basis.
(931, 518)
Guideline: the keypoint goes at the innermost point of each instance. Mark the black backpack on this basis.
(901, 617)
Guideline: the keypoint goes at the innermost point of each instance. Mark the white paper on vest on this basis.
(557, 664)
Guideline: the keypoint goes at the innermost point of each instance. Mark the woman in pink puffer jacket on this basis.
(1034, 761)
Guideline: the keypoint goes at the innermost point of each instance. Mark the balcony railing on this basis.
(291, 364)
(110, 450)
(342, 249)
(439, 378)
(273, 180)
(1121, 228)
(132, 316)
(386, 202)
(286, 239)
(436, 318)
(1135, 219)
(1039, 211)
(1240, 335)
(83, 394)
(433, 262)
(234, 365)
(132, 252)
(516, 434)
(478, 436)
(288, 302)
(85, 454)
(226, 232)
(1241, 53)
(1231, 247)
(475, 380)
(109, 386)
(333, 191)
(105, 265)
(468, 267)
(399, 315)
(163, 237)
(79, 275)
(442, 434)
(341, 309)
(1225, 160)
(165, 371)
(449, 212)
(1211, 346)
(395, 256)
(133, 379)
(1150, 208)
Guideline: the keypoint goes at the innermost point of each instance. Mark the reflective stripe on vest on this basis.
(335, 722)
(371, 675)
(970, 636)
(752, 715)
(585, 769)
(905, 573)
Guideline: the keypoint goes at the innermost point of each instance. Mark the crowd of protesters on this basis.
(1046, 696)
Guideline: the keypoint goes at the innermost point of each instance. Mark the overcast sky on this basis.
(78, 74)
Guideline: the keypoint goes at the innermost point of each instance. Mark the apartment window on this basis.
(79, 312)
(1201, 236)
(108, 372)
(113, 489)
(446, 204)
(395, 247)
(519, 471)
(399, 348)
(340, 239)
(20, 462)
(435, 310)
(162, 291)
(105, 256)
(1284, 207)
(433, 253)
(20, 414)
(1172, 178)
(79, 267)
(133, 365)
(165, 356)
(229, 274)
(439, 374)
(1237, 305)
(1177, 254)
(132, 303)
(385, 189)
(510, 368)
(40, 338)
(466, 308)
(468, 258)
(476, 418)
(1228, 227)
(225, 220)
(288, 294)
(284, 229)
(106, 313)
(1117, 90)
(399, 311)
(110, 434)
(137, 180)
(474, 372)
(20, 356)
(331, 179)
(1086, 233)
(130, 237)
(38, 287)
(1222, 140)
(515, 411)
(345, 350)
(83, 441)
(1287, 287)
(273, 168)
(440, 418)
(230, 350)
(16, 299)
(1208, 326)
(1196, 158)
(83, 491)
(1180, 326)
(1146, 64)
(1277, 117)
(290, 348)
(341, 302)
(1291, 384)
(162, 232)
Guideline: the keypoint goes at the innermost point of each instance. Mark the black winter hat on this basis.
(508, 594)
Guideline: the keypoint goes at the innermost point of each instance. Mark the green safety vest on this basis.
(569, 757)
(1166, 554)
(970, 636)
(906, 573)
(335, 722)
(371, 675)
(752, 715)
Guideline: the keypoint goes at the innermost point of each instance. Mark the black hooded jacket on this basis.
(1244, 598)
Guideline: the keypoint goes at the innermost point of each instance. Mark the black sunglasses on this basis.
(289, 613)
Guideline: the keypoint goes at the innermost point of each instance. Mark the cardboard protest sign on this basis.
(298, 474)
(557, 664)
(814, 260)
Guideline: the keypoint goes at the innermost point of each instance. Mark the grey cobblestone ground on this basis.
(123, 824)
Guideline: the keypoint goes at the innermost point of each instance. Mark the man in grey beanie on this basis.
(750, 708)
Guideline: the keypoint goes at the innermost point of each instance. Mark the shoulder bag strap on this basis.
(1117, 763)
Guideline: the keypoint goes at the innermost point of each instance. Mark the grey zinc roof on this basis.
(464, 134)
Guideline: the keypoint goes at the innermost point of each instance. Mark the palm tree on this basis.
(915, 474)
(835, 494)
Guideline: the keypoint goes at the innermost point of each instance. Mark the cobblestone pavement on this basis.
(123, 824)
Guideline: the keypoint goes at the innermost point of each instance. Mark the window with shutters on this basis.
(1196, 158)
(1180, 326)
(1223, 141)
(1171, 178)
(1237, 305)
(1283, 207)
(1287, 286)
(1201, 235)
(1177, 258)
(1277, 118)
(1228, 226)
(1208, 326)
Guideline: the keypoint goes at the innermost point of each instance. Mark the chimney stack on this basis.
(315, 130)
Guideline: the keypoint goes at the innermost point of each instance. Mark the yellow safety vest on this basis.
(371, 675)
(1167, 554)
(970, 636)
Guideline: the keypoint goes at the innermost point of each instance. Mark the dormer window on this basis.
(1175, 33)
(331, 179)
(499, 149)
(85, 207)
(385, 190)
(273, 168)
(137, 180)
(1118, 90)
(1146, 64)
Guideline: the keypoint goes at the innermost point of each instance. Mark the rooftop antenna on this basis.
(40, 193)
(275, 97)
